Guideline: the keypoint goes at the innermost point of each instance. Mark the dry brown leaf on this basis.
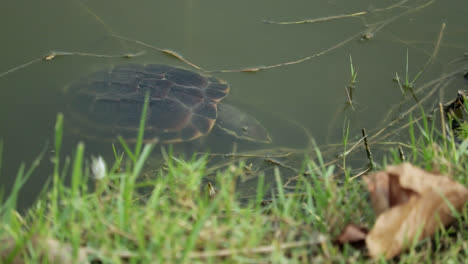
(411, 203)
(352, 233)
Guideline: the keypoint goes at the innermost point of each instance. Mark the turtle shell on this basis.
(182, 106)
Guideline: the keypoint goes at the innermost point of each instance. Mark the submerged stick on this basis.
(163, 50)
(349, 94)
(401, 153)
(442, 119)
(54, 54)
(368, 151)
(438, 82)
(374, 29)
(439, 40)
(321, 19)
(342, 155)
(19, 67)
(282, 64)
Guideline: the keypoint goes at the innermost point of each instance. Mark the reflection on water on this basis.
(296, 76)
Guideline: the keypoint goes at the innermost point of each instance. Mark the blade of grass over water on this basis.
(9, 206)
(141, 129)
(126, 148)
(77, 171)
(58, 141)
(142, 159)
(56, 177)
(118, 159)
(1, 157)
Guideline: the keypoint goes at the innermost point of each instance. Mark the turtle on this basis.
(184, 105)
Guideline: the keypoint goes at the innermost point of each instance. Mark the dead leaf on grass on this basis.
(410, 204)
(352, 233)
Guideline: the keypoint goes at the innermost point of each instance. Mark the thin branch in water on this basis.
(321, 19)
(434, 53)
(439, 40)
(368, 151)
(351, 149)
(401, 153)
(94, 15)
(259, 68)
(24, 65)
(281, 164)
(165, 51)
(54, 54)
(442, 80)
(360, 174)
(374, 29)
(349, 95)
(399, 4)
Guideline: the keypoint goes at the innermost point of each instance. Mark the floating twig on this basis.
(401, 153)
(281, 164)
(342, 155)
(163, 50)
(368, 151)
(282, 64)
(438, 82)
(360, 174)
(24, 65)
(373, 30)
(349, 92)
(439, 40)
(442, 119)
(321, 19)
(54, 54)
(94, 15)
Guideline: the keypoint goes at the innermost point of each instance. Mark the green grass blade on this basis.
(77, 172)
(127, 149)
(142, 159)
(21, 178)
(58, 141)
(141, 130)
(1, 157)
(197, 228)
(56, 177)
(281, 196)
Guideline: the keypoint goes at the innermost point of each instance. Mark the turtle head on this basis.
(241, 125)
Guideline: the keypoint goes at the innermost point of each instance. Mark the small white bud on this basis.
(98, 168)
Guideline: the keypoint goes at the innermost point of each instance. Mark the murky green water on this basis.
(220, 35)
